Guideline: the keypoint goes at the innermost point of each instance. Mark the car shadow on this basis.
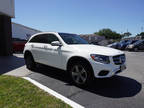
(115, 87)
(9, 63)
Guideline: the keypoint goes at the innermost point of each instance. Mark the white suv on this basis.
(72, 53)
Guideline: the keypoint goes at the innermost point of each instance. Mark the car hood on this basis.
(95, 49)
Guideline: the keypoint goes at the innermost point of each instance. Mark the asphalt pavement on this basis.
(126, 90)
(13, 65)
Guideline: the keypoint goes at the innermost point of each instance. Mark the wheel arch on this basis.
(78, 58)
(27, 52)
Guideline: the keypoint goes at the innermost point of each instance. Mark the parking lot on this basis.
(122, 91)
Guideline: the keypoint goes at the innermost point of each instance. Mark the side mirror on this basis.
(56, 43)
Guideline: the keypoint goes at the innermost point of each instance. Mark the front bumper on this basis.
(110, 69)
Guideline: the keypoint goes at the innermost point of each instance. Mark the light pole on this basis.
(142, 29)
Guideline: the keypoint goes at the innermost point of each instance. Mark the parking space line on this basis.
(52, 92)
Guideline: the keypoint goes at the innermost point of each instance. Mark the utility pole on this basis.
(142, 29)
(127, 30)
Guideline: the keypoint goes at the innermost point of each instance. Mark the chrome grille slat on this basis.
(119, 59)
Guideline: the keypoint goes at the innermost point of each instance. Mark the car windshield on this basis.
(123, 41)
(72, 38)
(129, 42)
(134, 41)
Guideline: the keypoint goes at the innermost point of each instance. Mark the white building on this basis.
(9, 30)
(6, 13)
(7, 8)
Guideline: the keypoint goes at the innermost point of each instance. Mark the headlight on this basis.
(100, 58)
(130, 46)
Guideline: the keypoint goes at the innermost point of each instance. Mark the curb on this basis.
(52, 92)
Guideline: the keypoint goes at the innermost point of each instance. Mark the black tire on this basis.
(87, 73)
(135, 49)
(30, 63)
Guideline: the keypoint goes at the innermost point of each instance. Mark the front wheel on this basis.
(81, 74)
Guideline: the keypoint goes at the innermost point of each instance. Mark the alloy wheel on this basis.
(79, 74)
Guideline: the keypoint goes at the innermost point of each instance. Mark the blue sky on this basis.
(81, 16)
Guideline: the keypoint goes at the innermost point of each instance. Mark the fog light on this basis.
(103, 73)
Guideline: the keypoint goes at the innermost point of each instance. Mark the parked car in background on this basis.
(130, 42)
(122, 44)
(113, 45)
(94, 43)
(71, 53)
(138, 45)
(18, 45)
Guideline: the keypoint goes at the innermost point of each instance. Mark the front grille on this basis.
(119, 59)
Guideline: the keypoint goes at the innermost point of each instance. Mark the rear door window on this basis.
(37, 39)
(44, 38)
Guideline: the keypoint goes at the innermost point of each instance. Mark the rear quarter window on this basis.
(35, 39)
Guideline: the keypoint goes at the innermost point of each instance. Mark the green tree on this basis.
(126, 34)
(109, 34)
(141, 34)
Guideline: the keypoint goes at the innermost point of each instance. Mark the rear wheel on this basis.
(29, 61)
(81, 74)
